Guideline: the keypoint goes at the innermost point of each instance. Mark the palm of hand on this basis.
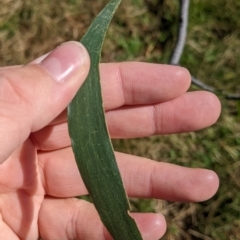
(22, 193)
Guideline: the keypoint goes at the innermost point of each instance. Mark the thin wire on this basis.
(182, 32)
(202, 85)
(179, 47)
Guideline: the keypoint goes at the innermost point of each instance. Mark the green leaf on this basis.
(90, 140)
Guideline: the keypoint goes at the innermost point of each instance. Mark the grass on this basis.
(146, 31)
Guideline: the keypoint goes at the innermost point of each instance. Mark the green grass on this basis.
(147, 33)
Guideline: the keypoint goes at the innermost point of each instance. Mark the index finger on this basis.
(138, 83)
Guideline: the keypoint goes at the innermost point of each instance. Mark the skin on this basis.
(38, 174)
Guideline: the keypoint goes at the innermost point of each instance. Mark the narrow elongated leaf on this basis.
(91, 144)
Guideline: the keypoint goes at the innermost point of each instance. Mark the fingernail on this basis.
(65, 60)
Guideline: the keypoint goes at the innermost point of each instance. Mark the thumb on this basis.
(33, 95)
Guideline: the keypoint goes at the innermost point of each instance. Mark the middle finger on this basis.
(190, 112)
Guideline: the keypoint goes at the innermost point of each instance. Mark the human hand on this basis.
(38, 175)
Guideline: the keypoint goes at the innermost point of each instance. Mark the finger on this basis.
(143, 178)
(33, 95)
(134, 83)
(190, 112)
(76, 219)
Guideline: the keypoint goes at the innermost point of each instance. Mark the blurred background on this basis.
(146, 31)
